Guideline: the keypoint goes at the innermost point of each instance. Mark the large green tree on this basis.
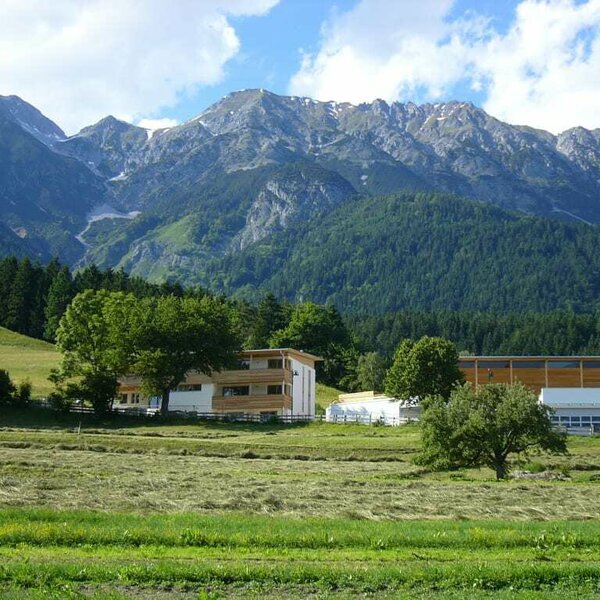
(92, 337)
(321, 330)
(270, 317)
(421, 368)
(484, 426)
(172, 336)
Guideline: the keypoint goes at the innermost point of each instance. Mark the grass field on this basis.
(151, 509)
(147, 509)
(28, 359)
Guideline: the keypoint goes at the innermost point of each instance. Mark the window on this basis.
(494, 364)
(563, 364)
(586, 420)
(466, 364)
(135, 399)
(189, 387)
(274, 389)
(123, 399)
(528, 364)
(591, 364)
(275, 363)
(236, 390)
(596, 419)
(243, 364)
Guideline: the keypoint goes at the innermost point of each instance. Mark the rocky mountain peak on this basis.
(31, 120)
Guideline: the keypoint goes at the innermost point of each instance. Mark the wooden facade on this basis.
(536, 372)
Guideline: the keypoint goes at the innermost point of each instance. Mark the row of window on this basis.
(576, 421)
(272, 363)
(244, 390)
(530, 364)
(129, 399)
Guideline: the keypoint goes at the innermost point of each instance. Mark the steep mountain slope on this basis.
(380, 148)
(44, 196)
(429, 251)
(31, 120)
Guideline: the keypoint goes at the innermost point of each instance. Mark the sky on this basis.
(161, 62)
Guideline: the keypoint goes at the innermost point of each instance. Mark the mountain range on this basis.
(251, 194)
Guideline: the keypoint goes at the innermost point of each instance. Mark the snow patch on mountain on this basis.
(99, 213)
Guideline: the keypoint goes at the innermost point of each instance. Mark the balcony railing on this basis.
(251, 402)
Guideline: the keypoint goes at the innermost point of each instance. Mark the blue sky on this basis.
(271, 48)
(160, 62)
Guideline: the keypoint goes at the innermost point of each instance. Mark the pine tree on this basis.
(270, 318)
(21, 298)
(60, 294)
(8, 271)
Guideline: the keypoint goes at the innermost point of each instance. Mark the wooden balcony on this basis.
(266, 402)
(248, 376)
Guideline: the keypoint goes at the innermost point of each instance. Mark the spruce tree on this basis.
(270, 318)
(8, 271)
(21, 298)
(60, 295)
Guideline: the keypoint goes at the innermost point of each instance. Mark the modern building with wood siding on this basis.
(570, 385)
(536, 372)
(269, 382)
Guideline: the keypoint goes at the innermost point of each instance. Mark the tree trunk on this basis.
(164, 403)
(500, 467)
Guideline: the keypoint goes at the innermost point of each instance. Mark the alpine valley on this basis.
(375, 207)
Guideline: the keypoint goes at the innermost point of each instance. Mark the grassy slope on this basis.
(325, 396)
(26, 358)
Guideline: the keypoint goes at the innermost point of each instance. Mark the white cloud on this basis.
(381, 49)
(154, 124)
(543, 71)
(79, 61)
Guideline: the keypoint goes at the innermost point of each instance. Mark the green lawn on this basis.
(28, 359)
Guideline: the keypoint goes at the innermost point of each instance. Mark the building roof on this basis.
(291, 351)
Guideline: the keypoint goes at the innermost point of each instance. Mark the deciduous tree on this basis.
(176, 335)
(423, 368)
(484, 426)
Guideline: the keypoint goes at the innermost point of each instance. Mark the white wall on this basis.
(387, 410)
(303, 389)
(194, 401)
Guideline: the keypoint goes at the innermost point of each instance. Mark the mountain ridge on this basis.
(255, 165)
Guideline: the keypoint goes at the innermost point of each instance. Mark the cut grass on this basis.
(28, 359)
(317, 469)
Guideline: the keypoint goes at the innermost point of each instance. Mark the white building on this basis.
(369, 408)
(573, 407)
(272, 382)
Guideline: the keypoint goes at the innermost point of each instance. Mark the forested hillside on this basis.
(422, 251)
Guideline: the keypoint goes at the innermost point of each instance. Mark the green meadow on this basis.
(141, 508)
(28, 359)
(154, 509)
